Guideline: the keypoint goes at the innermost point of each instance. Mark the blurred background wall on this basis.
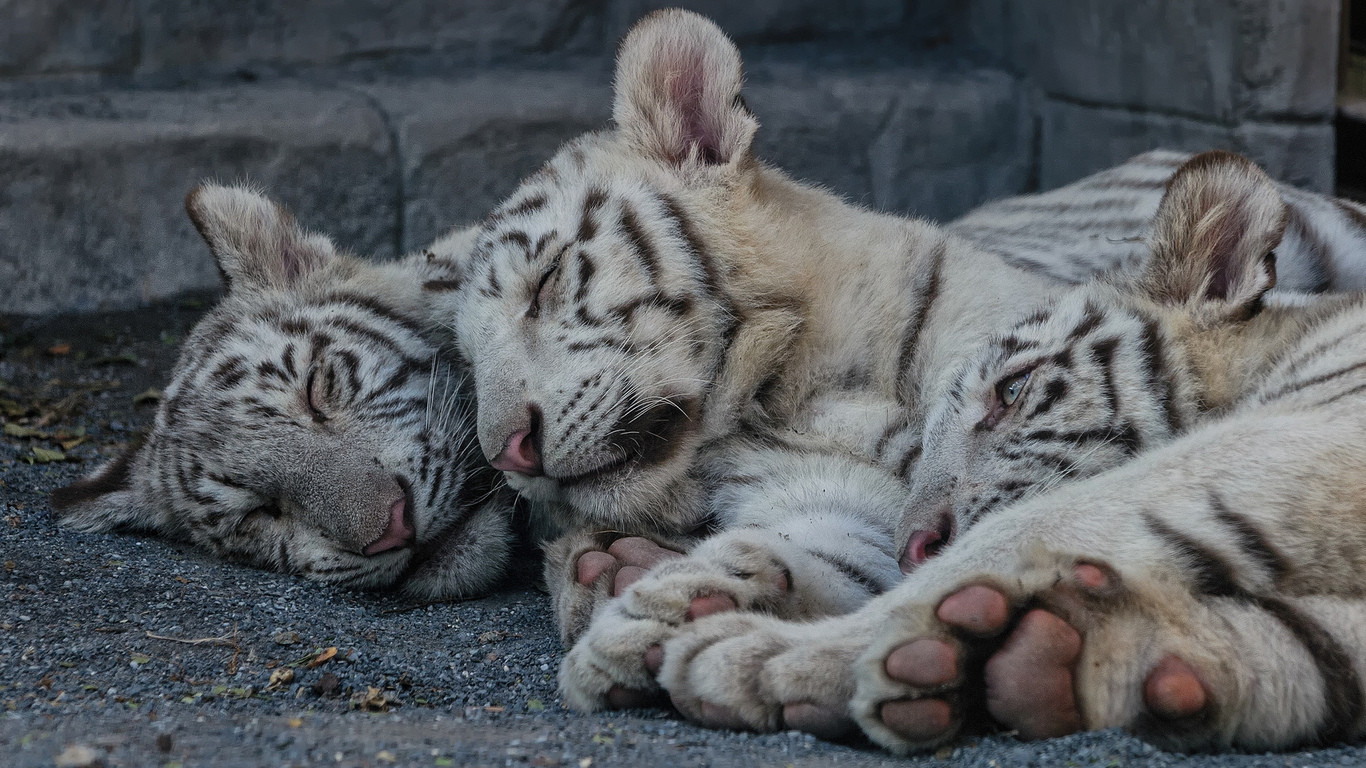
(384, 123)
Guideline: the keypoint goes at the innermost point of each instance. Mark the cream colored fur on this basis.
(1237, 544)
(705, 349)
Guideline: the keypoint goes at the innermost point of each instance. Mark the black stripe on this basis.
(1155, 361)
(915, 325)
(1297, 386)
(849, 571)
(586, 272)
(533, 203)
(1103, 354)
(640, 244)
(1252, 541)
(1053, 393)
(441, 285)
(588, 225)
(1091, 318)
(1342, 685)
(1212, 574)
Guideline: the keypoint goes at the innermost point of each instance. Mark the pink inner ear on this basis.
(296, 260)
(1227, 267)
(687, 91)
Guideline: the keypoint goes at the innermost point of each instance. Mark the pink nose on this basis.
(519, 455)
(920, 548)
(396, 534)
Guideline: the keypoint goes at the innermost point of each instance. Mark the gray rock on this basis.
(768, 20)
(226, 34)
(47, 36)
(1078, 140)
(917, 141)
(1223, 59)
(91, 196)
(466, 145)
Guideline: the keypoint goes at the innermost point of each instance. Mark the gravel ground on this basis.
(119, 650)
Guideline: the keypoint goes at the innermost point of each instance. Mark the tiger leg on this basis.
(808, 536)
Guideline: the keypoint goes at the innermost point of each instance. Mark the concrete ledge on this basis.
(467, 144)
(1079, 140)
(224, 34)
(923, 142)
(91, 198)
(43, 36)
(1225, 60)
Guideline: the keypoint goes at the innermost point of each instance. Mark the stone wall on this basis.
(384, 123)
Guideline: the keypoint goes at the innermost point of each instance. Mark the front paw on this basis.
(614, 661)
(747, 671)
(586, 569)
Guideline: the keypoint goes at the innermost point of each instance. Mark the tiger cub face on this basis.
(1107, 369)
(311, 425)
(590, 307)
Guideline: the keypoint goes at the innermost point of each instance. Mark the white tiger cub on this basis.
(1205, 594)
(312, 424)
(670, 339)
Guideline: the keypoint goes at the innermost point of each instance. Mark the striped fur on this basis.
(305, 406)
(1200, 442)
(678, 341)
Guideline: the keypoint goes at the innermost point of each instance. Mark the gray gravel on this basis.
(134, 651)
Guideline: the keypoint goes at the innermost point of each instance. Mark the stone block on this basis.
(1223, 60)
(228, 34)
(92, 187)
(1077, 140)
(761, 21)
(466, 144)
(914, 141)
(67, 36)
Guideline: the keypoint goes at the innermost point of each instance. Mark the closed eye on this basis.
(535, 309)
(315, 397)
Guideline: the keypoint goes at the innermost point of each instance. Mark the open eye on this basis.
(316, 396)
(1008, 389)
(535, 309)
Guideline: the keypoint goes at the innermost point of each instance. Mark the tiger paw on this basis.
(1028, 659)
(586, 569)
(747, 671)
(611, 664)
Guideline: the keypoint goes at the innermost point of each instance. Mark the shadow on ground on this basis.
(119, 650)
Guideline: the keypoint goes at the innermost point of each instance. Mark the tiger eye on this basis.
(1010, 389)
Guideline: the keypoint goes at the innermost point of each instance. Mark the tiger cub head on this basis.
(311, 425)
(1104, 370)
(592, 307)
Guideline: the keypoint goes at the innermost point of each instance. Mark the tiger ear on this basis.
(107, 500)
(678, 91)
(1214, 234)
(255, 241)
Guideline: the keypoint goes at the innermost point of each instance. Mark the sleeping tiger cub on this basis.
(674, 343)
(1202, 588)
(312, 425)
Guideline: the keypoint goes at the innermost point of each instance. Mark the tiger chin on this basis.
(313, 424)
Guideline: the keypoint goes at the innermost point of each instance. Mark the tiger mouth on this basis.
(650, 438)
